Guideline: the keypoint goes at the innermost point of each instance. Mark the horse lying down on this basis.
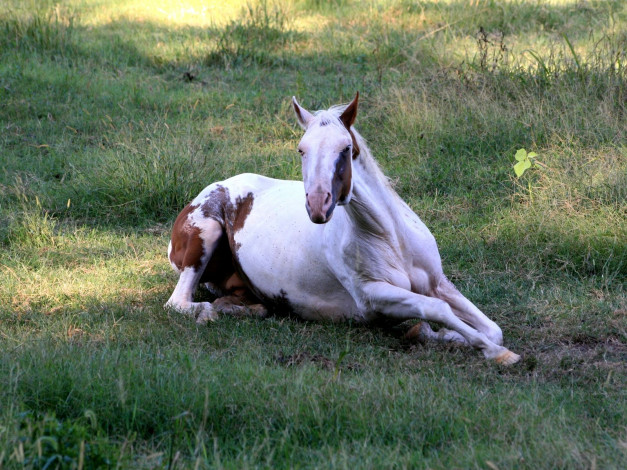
(358, 252)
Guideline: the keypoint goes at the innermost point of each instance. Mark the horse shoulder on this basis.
(357, 261)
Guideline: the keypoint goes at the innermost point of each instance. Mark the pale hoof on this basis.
(203, 312)
(507, 358)
(205, 316)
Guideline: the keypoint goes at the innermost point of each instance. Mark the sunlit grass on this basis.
(83, 267)
(171, 32)
(196, 13)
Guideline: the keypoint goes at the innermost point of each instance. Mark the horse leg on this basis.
(423, 332)
(467, 311)
(190, 253)
(401, 304)
(236, 306)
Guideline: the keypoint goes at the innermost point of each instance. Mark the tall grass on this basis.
(262, 28)
(38, 28)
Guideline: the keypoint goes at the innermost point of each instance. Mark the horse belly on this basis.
(280, 252)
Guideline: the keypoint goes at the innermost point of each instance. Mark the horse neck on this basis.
(375, 207)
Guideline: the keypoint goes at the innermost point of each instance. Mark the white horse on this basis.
(360, 254)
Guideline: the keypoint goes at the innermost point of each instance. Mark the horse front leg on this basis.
(467, 311)
(401, 304)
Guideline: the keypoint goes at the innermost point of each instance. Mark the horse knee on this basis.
(495, 334)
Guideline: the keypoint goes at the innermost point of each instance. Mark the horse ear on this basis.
(350, 113)
(303, 116)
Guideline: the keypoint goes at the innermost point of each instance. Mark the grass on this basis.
(115, 114)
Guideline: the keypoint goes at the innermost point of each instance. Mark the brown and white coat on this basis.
(355, 251)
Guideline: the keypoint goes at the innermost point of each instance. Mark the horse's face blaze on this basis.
(327, 148)
(327, 170)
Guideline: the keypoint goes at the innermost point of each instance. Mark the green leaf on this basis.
(520, 167)
(521, 155)
(532, 155)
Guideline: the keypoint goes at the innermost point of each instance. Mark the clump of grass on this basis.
(47, 442)
(130, 182)
(140, 170)
(254, 37)
(38, 29)
(29, 226)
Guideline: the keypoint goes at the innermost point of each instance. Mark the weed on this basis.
(492, 51)
(31, 225)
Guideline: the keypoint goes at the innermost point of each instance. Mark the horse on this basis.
(355, 252)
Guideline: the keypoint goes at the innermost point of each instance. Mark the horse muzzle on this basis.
(320, 206)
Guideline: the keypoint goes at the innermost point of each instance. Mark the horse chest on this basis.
(282, 257)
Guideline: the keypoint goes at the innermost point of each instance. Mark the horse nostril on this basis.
(328, 199)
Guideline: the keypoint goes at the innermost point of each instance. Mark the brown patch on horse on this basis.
(218, 206)
(234, 283)
(214, 204)
(187, 246)
(242, 209)
(342, 177)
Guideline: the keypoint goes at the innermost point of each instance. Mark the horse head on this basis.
(327, 149)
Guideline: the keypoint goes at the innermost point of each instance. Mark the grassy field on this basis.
(114, 114)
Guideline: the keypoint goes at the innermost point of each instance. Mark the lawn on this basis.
(114, 114)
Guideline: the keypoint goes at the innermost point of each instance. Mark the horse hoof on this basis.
(418, 333)
(258, 311)
(205, 317)
(507, 358)
(206, 313)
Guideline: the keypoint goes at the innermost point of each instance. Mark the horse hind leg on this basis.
(400, 304)
(237, 306)
(190, 250)
(423, 332)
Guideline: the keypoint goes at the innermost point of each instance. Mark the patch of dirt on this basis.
(581, 359)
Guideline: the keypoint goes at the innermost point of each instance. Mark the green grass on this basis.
(115, 114)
